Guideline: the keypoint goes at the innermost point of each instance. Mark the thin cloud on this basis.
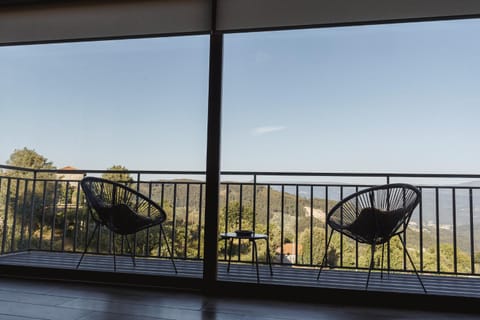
(259, 131)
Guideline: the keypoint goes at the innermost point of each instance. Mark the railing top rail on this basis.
(4, 166)
(353, 174)
(84, 171)
(257, 173)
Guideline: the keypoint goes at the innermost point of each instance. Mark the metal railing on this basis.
(46, 210)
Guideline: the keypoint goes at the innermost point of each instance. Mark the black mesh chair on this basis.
(122, 210)
(373, 216)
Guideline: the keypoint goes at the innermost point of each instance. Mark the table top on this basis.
(252, 236)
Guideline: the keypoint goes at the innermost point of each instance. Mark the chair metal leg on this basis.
(413, 265)
(381, 266)
(168, 248)
(132, 251)
(371, 266)
(87, 245)
(324, 260)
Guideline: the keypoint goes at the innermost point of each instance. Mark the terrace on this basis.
(45, 225)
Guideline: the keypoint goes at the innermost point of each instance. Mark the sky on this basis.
(382, 98)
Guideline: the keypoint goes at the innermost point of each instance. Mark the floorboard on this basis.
(34, 299)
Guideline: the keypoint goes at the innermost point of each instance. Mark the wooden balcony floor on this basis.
(33, 299)
(243, 275)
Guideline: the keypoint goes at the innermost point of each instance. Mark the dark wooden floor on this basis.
(34, 299)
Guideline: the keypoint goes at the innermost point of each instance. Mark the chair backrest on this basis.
(108, 198)
(374, 215)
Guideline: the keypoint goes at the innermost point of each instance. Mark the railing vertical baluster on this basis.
(160, 236)
(240, 213)
(186, 220)
(404, 235)
(15, 211)
(254, 203)
(76, 225)
(240, 226)
(282, 223)
(32, 212)
(44, 203)
(147, 232)
(199, 228)
(65, 215)
(326, 224)
(311, 225)
(388, 242)
(24, 205)
(420, 227)
(174, 218)
(227, 196)
(87, 228)
(437, 222)
(296, 224)
(254, 200)
(99, 234)
(135, 240)
(5, 220)
(341, 234)
(54, 214)
(356, 242)
(268, 209)
(454, 221)
(389, 256)
(472, 239)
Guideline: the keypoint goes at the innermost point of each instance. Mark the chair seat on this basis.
(123, 220)
(374, 225)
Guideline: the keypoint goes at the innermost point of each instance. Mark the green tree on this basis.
(316, 246)
(29, 158)
(121, 176)
(477, 257)
(238, 217)
(22, 199)
(446, 256)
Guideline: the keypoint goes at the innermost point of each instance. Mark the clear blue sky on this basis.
(401, 97)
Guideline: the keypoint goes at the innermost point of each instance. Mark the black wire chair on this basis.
(123, 211)
(373, 216)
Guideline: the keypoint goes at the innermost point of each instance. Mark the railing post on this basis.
(388, 243)
(254, 202)
(472, 231)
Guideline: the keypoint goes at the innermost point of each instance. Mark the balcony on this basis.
(45, 223)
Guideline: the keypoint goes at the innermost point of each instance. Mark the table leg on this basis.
(230, 254)
(254, 243)
(269, 259)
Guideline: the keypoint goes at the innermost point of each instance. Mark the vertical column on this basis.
(213, 155)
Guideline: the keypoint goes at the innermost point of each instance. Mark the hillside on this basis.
(297, 215)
